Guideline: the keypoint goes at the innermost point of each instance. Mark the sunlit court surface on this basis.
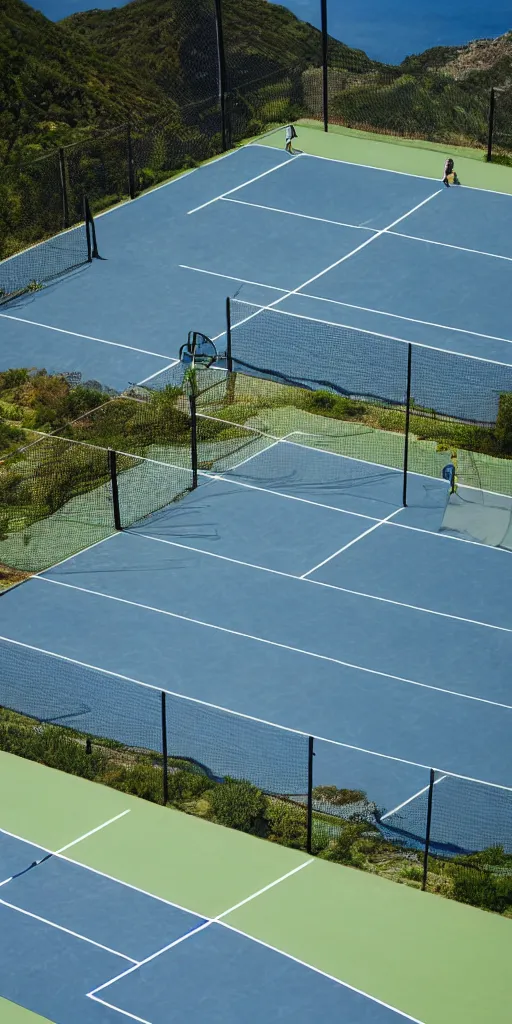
(306, 593)
(113, 909)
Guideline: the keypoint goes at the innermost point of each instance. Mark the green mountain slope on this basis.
(173, 42)
(53, 83)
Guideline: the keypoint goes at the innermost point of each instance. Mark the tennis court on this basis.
(376, 250)
(292, 590)
(113, 909)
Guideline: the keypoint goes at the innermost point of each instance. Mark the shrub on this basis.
(287, 824)
(503, 429)
(333, 795)
(238, 805)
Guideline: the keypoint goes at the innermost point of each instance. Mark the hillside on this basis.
(173, 43)
(52, 84)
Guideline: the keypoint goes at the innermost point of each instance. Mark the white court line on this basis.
(363, 309)
(386, 170)
(350, 543)
(324, 974)
(260, 942)
(347, 256)
(63, 848)
(249, 718)
(376, 334)
(158, 372)
(229, 277)
(206, 924)
(304, 216)
(67, 931)
(88, 337)
(285, 163)
(275, 643)
(411, 798)
(315, 583)
(87, 867)
(93, 831)
(363, 227)
(461, 248)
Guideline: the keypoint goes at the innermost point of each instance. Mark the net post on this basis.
(309, 825)
(229, 354)
(325, 80)
(63, 188)
(129, 156)
(87, 230)
(112, 465)
(427, 832)
(407, 422)
(492, 101)
(221, 63)
(91, 230)
(165, 779)
(193, 434)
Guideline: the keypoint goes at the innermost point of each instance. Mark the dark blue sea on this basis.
(386, 31)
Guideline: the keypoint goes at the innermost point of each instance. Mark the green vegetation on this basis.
(131, 96)
(483, 879)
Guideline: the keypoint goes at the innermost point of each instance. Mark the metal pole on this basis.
(407, 420)
(221, 62)
(112, 465)
(492, 100)
(325, 54)
(129, 154)
(309, 832)
(165, 787)
(193, 431)
(63, 188)
(429, 823)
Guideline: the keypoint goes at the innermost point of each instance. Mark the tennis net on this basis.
(30, 270)
(358, 364)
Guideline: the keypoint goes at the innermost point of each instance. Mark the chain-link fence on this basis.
(226, 88)
(447, 834)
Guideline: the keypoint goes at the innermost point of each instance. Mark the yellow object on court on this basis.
(451, 178)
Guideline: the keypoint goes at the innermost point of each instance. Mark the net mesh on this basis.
(460, 408)
(28, 271)
(56, 495)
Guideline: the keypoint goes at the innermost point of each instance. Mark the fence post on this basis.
(165, 780)
(309, 827)
(221, 62)
(193, 431)
(90, 227)
(492, 101)
(427, 833)
(325, 57)
(231, 382)
(229, 356)
(63, 188)
(407, 421)
(129, 154)
(112, 465)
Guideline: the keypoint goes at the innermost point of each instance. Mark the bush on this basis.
(482, 890)
(503, 429)
(287, 824)
(185, 785)
(345, 847)
(238, 805)
(338, 797)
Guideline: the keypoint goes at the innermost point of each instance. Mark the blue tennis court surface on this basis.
(293, 588)
(294, 592)
(77, 945)
(385, 252)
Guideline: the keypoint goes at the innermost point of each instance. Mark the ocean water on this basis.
(387, 31)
